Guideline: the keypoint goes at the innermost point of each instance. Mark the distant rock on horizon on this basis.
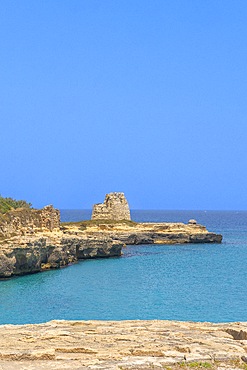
(115, 207)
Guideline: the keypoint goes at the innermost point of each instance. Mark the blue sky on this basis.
(144, 97)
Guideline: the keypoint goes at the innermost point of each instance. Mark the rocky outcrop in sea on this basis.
(35, 240)
(32, 241)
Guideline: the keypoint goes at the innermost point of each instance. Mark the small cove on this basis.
(198, 282)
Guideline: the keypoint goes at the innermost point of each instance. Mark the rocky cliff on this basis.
(126, 345)
(44, 249)
(50, 250)
(115, 207)
(34, 240)
(31, 240)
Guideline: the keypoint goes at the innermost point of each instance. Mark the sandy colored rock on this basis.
(24, 221)
(45, 250)
(33, 240)
(192, 222)
(150, 233)
(125, 345)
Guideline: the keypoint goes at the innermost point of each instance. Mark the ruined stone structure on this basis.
(33, 240)
(24, 220)
(50, 218)
(115, 207)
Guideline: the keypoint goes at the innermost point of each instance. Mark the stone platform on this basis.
(129, 232)
(125, 345)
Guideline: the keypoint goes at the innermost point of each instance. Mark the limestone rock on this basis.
(46, 250)
(128, 345)
(24, 221)
(32, 240)
(192, 222)
(99, 248)
(152, 233)
(115, 207)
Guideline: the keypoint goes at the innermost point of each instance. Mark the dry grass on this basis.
(82, 225)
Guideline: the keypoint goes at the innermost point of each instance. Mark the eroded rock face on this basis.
(32, 240)
(30, 254)
(115, 207)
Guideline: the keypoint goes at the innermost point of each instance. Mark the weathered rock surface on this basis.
(24, 220)
(47, 250)
(41, 250)
(149, 233)
(33, 240)
(115, 207)
(128, 345)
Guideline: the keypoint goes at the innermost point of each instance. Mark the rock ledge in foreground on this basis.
(134, 345)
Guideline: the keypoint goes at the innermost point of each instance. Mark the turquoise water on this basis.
(203, 282)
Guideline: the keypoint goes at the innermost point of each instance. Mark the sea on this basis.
(188, 282)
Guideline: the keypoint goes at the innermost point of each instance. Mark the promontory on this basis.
(34, 240)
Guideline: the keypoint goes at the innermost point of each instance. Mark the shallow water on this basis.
(203, 282)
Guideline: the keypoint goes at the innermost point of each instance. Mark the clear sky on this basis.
(148, 97)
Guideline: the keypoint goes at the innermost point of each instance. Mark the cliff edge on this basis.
(33, 240)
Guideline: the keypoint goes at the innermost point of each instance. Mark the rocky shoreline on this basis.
(39, 250)
(144, 233)
(43, 249)
(51, 250)
(125, 345)
(34, 240)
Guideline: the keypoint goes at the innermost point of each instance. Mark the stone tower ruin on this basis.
(115, 207)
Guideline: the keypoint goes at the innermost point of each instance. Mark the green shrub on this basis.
(6, 204)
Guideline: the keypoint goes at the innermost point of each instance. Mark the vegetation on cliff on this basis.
(6, 204)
